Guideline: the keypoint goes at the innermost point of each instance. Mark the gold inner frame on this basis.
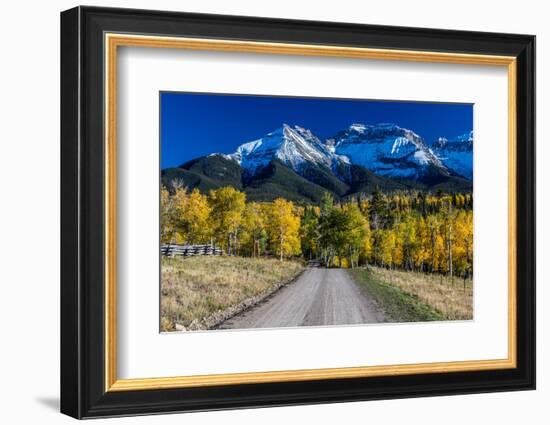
(113, 41)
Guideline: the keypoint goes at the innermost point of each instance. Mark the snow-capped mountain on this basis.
(456, 154)
(385, 149)
(295, 147)
(388, 150)
(293, 163)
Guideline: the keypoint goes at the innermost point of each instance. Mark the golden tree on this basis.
(227, 208)
(166, 216)
(355, 232)
(253, 229)
(187, 215)
(283, 227)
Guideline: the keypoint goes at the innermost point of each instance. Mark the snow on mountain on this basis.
(296, 147)
(456, 154)
(387, 150)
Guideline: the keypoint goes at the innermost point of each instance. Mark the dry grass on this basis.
(452, 299)
(194, 288)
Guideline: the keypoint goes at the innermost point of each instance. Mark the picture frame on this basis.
(91, 37)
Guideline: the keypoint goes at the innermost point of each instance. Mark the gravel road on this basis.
(319, 297)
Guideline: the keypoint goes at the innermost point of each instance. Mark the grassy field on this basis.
(194, 288)
(411, 297)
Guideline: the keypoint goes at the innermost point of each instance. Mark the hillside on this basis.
(293, 163)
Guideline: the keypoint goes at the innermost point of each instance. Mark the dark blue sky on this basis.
(193, 125)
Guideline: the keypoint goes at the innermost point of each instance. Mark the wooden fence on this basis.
(173, 250)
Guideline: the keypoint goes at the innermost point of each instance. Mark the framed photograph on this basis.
(261, 212)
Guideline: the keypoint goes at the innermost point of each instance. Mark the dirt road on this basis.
(319, 297)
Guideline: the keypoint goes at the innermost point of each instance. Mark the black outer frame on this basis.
(82, 212)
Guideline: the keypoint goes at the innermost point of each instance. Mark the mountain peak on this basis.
(294, 146)
(456, 153)
(359, 128)
(463, 139)
(385, 149)
(388, 150)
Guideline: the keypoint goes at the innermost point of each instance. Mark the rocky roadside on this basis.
(217, 318)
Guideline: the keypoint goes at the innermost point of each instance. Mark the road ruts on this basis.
(320, 297)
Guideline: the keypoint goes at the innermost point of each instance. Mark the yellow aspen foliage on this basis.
(188, 216)
(441, 256)
(422, 253)
(197, 213)
(166, 216)
(424, 232)
(253, 230)
(227, 208)
(283, 227)
(365, 252)
(388, 247)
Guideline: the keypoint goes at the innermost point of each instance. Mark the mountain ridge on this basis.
(358, 159)
(456, 153)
